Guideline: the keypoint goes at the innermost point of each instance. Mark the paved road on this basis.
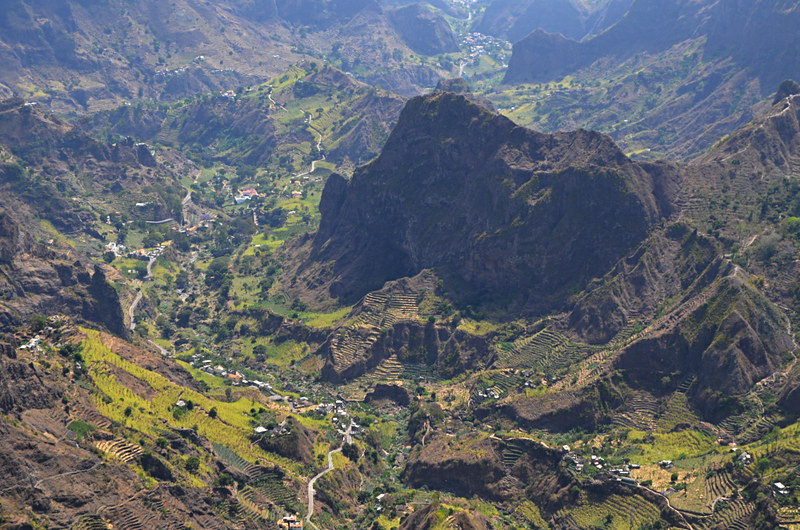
(132, 309)
(347, 439)
(311, 482)
(150, 268)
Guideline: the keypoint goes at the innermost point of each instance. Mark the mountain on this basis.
(673, 76)
(574, 19)
(499, 211)
(338, 306)
(700, 316)
(79, 56)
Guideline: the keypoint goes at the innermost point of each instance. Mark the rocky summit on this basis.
(501, 212)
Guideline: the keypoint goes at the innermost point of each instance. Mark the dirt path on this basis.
(68, 473)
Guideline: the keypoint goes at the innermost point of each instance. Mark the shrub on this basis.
(192, 464)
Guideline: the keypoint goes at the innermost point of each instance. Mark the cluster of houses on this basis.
(32, 344)
(291, 522)
(234, 376)
(116, 249)
(622, 474)
(167, 73)
(244, 195)
(780, 489)
(337, 409)
(142, 253)
(478, 44)
(278, 430)
(489, 393)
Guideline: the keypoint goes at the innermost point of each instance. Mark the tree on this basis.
(212, 413)
(217, 272)
(351, 452)
(192, 464)
(38, 323)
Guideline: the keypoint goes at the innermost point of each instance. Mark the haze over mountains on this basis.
(575, 19)
(679, 74)
(82, 55)
(363, 264)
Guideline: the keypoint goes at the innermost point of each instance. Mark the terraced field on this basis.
(149, 414)
(89, 522)
(513, 452)
(90, 416)
(676, 411)
(720, 484)
(732, 515)
(627, 512)
(272, 487)
(120, 449)
(351, 345)
(378, 311)
(640, 412)
(789, 514)
(545, 351)
(123, 519)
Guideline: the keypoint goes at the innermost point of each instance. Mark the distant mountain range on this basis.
(93, 55)
(575, 19)
(671, 76)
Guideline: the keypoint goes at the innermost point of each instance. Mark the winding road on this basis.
(348, 439)
(319, 150)
(139, 294)
(132, 309)
(311, 482)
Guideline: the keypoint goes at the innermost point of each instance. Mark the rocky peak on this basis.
(501, 211)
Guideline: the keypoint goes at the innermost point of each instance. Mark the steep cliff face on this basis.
(506, 215)
(676, 262)
(35, 279)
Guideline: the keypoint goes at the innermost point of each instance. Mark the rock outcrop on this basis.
(40, 280)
